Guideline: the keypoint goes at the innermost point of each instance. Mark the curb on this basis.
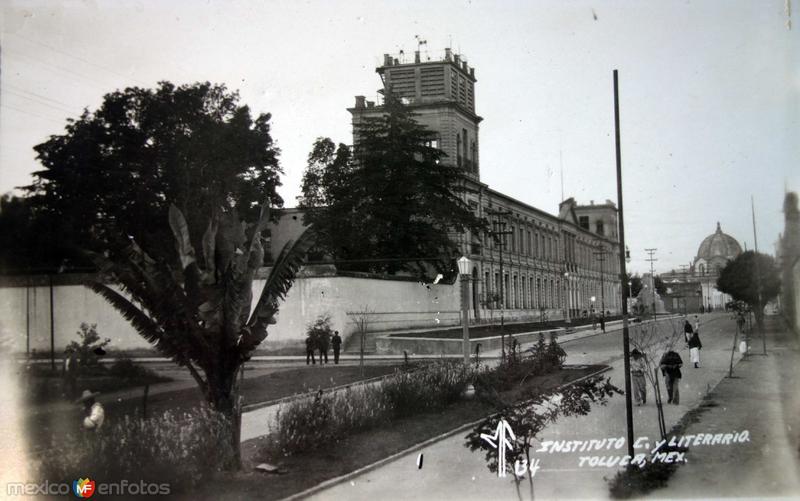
(377, 464)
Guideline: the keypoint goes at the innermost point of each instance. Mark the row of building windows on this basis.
(538, 293)
(524, 242)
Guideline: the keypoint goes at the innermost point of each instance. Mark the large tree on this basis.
(753, 278)
(168, 191)
(390, 204)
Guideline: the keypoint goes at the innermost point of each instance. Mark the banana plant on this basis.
(198, 308)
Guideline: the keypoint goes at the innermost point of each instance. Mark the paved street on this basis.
(451, 471)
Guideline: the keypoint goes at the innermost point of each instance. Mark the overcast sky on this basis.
(709, 92)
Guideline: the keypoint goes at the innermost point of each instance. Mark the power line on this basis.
(91, 80)
(37, 101)
(7, 106)
(17, 88)
(78, 58)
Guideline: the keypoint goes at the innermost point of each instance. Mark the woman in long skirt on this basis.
(694, 348)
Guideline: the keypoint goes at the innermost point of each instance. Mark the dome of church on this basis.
(718, 245)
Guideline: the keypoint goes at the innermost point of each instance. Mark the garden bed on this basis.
(350, 453)
(275, 386)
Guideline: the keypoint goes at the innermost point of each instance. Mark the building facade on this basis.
(531, 264)
(789, 262)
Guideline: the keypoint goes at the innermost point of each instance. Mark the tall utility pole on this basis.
(52, 326)
(758, 279)
(601, 256)
(652, 279)
(626, 342)
(499, 234)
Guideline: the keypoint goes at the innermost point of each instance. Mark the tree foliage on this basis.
(114, 173)
(390, 204)
(635, 287)
(742, 277)
(661, 287)
(30, 241)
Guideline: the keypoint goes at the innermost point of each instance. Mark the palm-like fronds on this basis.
(278, 283)
(146, 327)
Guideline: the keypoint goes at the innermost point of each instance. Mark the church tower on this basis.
(442, 94)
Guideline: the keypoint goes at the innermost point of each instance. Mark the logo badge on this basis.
(83, 487)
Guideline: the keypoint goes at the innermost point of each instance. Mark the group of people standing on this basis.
(670, 365)
(322, 343)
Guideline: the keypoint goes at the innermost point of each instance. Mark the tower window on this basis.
(458, 149)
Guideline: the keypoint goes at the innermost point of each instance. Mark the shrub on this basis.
(540, 359)
(635, 482)
(125, 368)
(320, 331)
(430, 389)
(89, 345)
(181, 450)
(308, 423)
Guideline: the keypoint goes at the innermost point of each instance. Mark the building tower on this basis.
(442, 94)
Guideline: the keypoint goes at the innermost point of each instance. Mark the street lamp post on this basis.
(463, 269)
(566, 297)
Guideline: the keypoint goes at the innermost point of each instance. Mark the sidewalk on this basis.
(762, 398)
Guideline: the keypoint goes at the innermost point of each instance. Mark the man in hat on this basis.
(93, 411)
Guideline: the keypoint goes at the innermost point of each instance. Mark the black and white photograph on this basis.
(399, 250)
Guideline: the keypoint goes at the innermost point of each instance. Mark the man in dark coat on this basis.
(324, 343)
(671, 364)
(687, 330)
(603, 322)
(336, 342)
(310, 351)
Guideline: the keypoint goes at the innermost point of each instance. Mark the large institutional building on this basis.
(532, 263)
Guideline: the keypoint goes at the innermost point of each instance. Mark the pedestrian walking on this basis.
(336, 342)
(671, 364)
(93, 412)
(594, 321)
(687, 330)
(603, 322)
(310, 351)
(696, 324)
(324, 344)
(638, 369)
(694, 348)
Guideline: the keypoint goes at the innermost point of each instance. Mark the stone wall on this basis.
(394, 304)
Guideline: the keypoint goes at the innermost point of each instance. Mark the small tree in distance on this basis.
(89, 346)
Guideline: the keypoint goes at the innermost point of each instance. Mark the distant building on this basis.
(789, 261)
(695, 289)
(545, 264)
